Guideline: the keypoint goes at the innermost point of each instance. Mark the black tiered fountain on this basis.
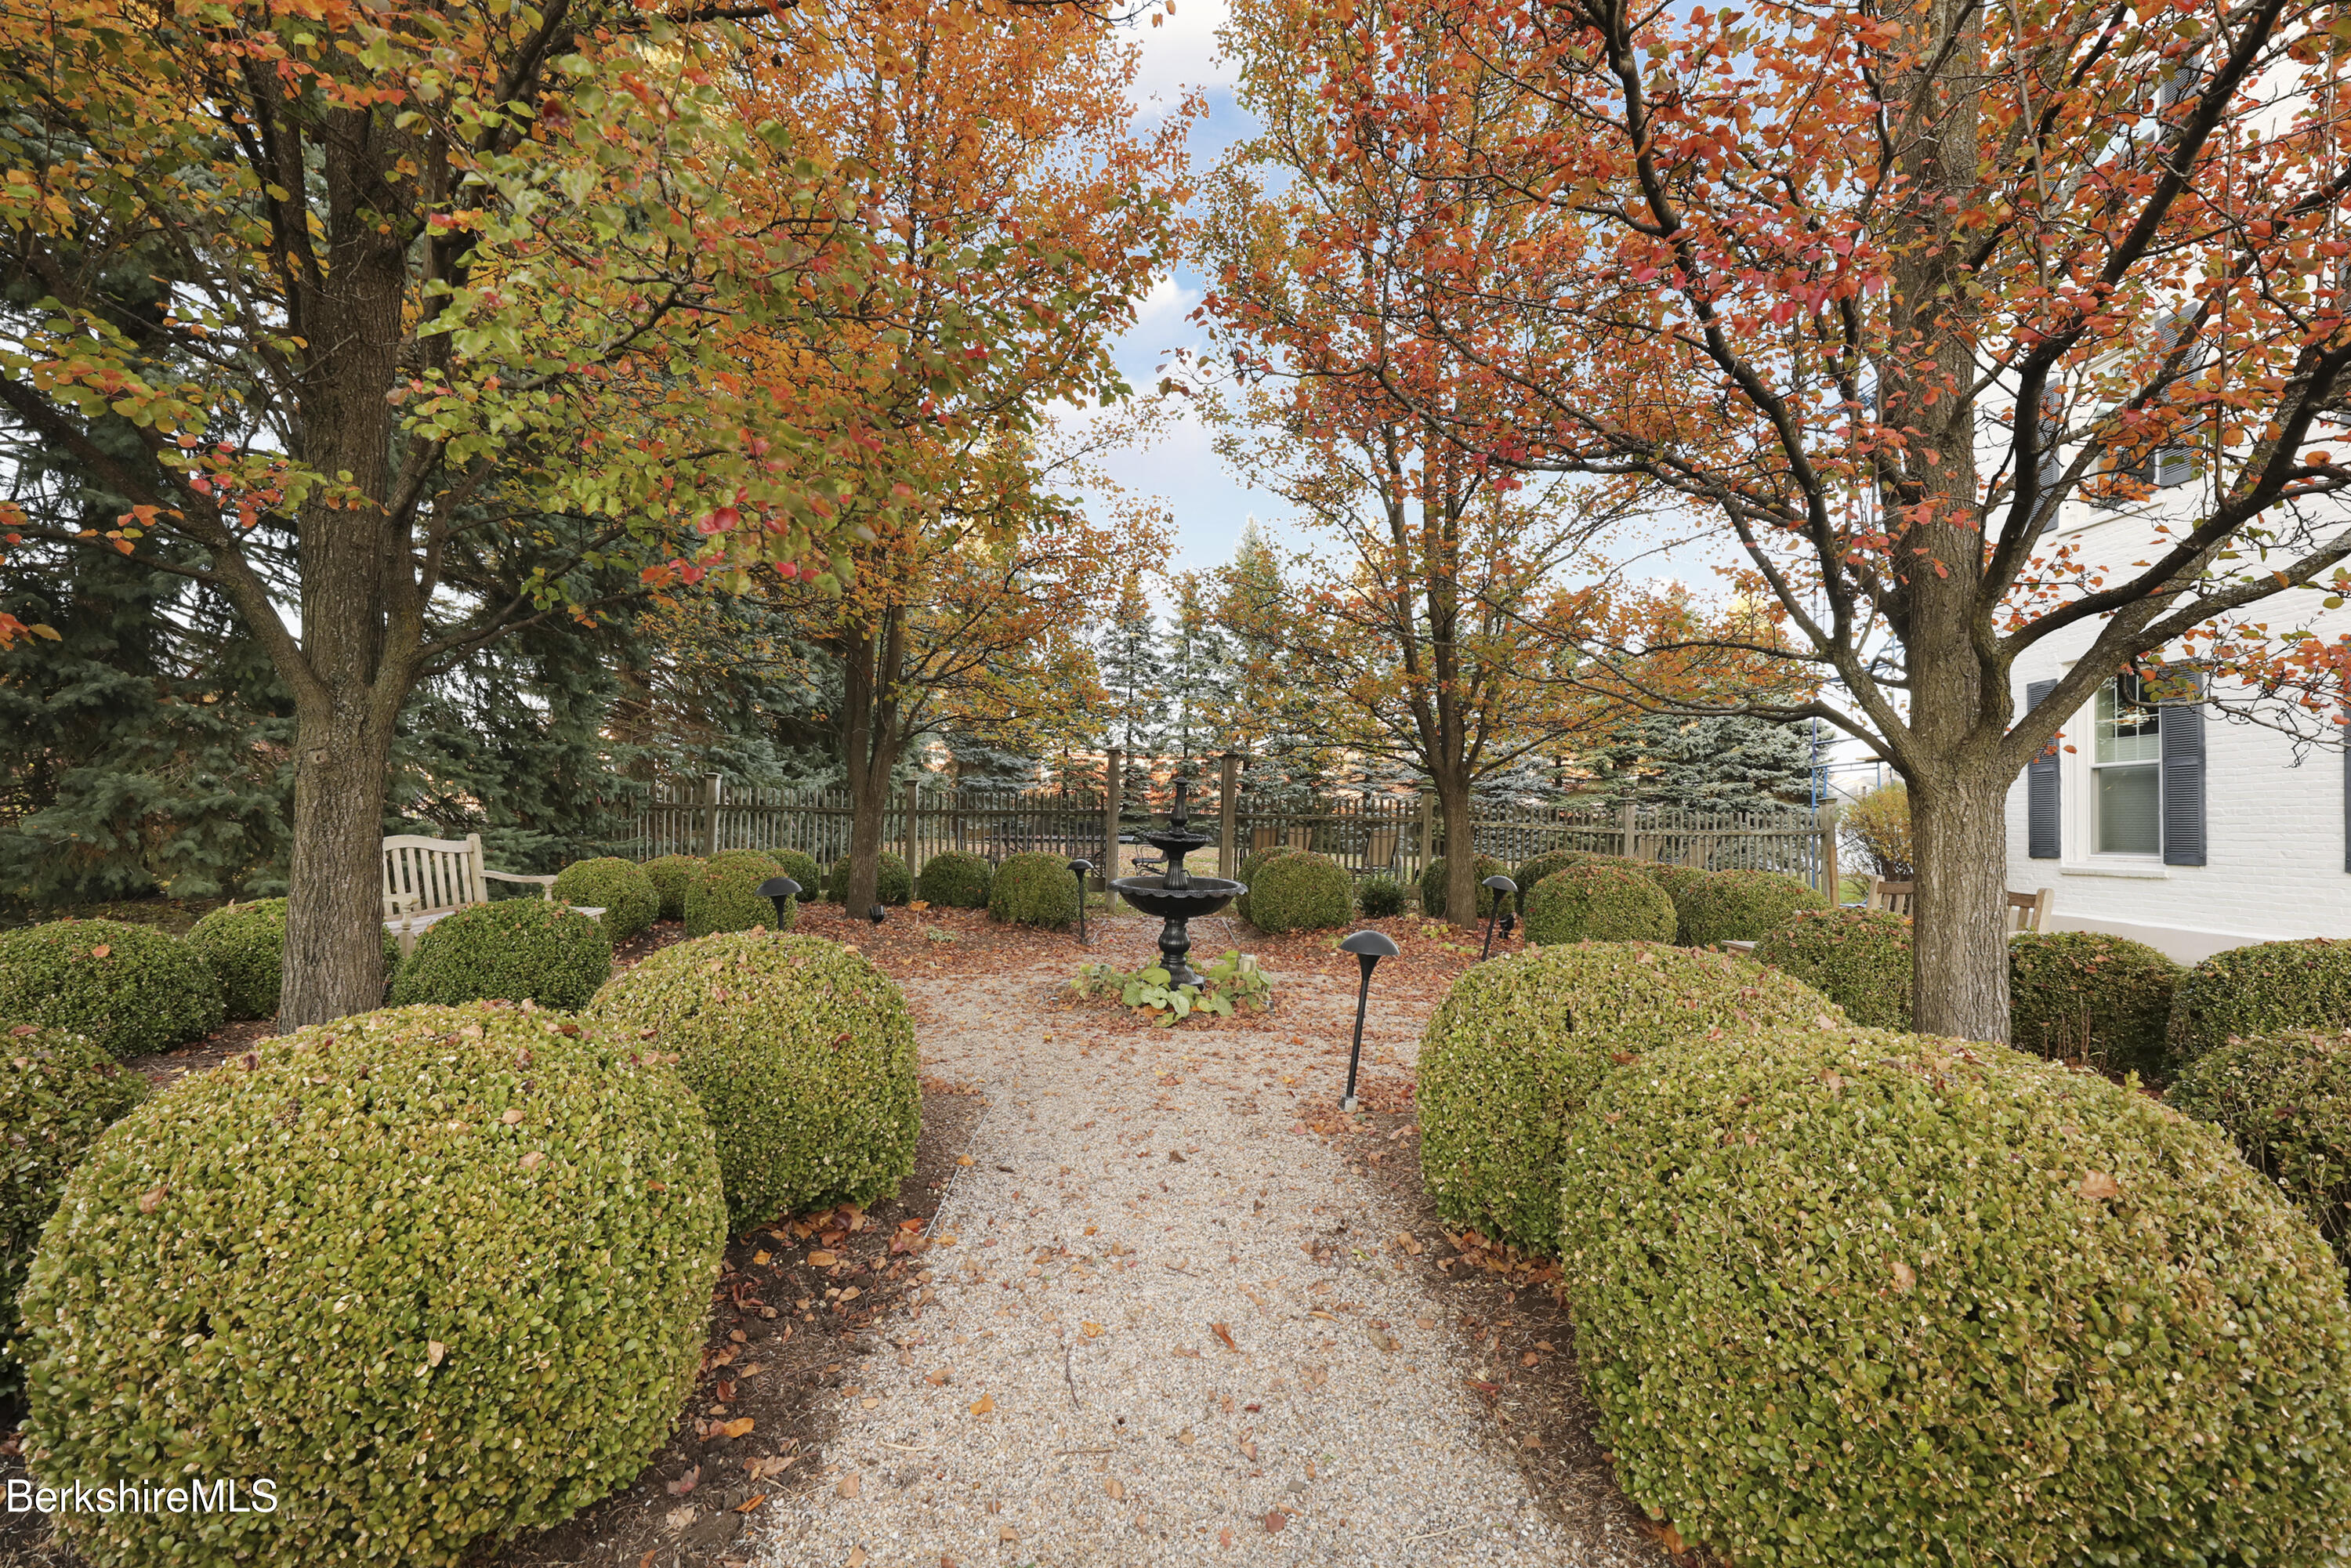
(1176, 896)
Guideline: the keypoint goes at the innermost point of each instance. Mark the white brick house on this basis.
(2172, 825)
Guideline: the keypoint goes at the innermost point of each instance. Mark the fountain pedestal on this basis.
(1176, 896)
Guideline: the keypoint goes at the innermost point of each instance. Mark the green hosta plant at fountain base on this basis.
(1230, 983)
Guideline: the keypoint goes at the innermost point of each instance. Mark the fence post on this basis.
(1111, 783)
(713, 790)
(1631, 816)
(1428, 831)
(1826, 819)
(913, 805)
(1228, 814)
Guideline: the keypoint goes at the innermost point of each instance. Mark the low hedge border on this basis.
(2265, 988)
(1858, 959)
(132, 988)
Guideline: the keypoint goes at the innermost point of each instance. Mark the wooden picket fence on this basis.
(1392, 834)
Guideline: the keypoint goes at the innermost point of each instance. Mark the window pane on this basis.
(2130, 810)
(2127, 730)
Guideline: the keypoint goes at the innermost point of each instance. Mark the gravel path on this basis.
(1069, 1394)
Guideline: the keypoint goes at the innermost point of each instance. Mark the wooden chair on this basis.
(1380, 853)
(425, 881)
(1264, 837)
(2024, 911)
(1302, 838)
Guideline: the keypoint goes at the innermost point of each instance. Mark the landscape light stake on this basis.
(783, 890)
(1369, 948)
(1082, 870)
(876, 914)
(1502, 887)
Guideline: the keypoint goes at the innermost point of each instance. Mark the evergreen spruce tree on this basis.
(1134, 671)
(1731, 764)
(1205, 690)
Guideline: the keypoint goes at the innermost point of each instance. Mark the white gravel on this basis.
(1109, 1220)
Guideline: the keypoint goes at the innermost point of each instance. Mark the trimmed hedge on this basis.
(1246, 873)
(726, 897)
(2286, 1101)
(1594, 903)
(1520, 1042)
(801, 868)
(2084, 994)
(1301, 893)
(802, 1054)
(1527, 873)
(891, 884)
(620, 888)
(1740, 905)
(131, 989)
(1674, 879)
(57, 1092)
(2267, 987)
(1432, 887)
(517, 949)
(441, 1273)
(244, 945)
(1034, 889)
(1848, 1296)
(1380, 896)
(954, 880)
(671, 877)
(1858, 959)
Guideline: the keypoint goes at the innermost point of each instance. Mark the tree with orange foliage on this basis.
(377, 288)
(1883, 293)
(1439, 626)
(991, 148)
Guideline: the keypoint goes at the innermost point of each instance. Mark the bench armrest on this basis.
(545, 884)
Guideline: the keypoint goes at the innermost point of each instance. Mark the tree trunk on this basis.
(1460, 852)
(334, 913)
(872, 740)
(1958, 978)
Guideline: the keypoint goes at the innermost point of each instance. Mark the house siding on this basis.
(2274, 824)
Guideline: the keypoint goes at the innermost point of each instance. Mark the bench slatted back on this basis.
(423, 874)
(2023, 911)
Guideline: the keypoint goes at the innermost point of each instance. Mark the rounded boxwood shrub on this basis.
(1740, 905)
(2083, 994)
(1034, 889)
(441, 1273)
(57, 1092)
(801, 867)
(517, 949)
(891, 884)
(726, 897)
(671, 877)
(1380, 896)
(2286, 1101)
(244, 945)
(1432, 887)
(618, 888)
(1246, 874)
(1551, 862)
(1301, 893)
(802, 1054)
(1597, 903)
(1519, 1042)
(1847, 1296)
(1674, 879)
(953, 879)
(131, 989)
(2266, 987)
(1858, 959)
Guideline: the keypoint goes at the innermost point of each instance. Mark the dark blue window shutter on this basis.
(2042, 819)
(2183, 782)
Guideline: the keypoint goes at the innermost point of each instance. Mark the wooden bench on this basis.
(425, 881)
(1380, 853)
(2026, 911)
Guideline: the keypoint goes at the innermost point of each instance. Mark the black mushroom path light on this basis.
(1504, 890)
(1369, 948)
(781, 890)
(1082, 870)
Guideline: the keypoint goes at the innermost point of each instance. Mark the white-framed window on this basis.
(2126, 766)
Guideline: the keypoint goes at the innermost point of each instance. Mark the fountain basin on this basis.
(1204, 895)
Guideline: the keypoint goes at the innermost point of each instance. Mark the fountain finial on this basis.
(1178, 814)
